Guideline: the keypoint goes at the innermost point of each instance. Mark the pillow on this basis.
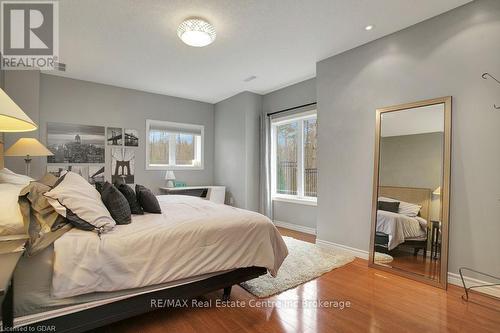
(405, 208)
(129, 194)
(147, 199)
(9, 177)
(388, 206)
(11, 218)
(116, 203)
(74, 198)
(48, 179)
(44, 224)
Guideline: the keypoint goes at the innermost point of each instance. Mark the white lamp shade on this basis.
(169, 175)
(28, 146)
(12, 118)
(437, 191)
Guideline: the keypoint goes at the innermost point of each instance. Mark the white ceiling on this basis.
(133, 44)
(425, 119)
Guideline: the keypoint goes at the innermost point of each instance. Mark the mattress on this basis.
(400, 227)
(33, 302)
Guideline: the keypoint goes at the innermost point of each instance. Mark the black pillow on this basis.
(116, 203)
(129, 194)
(147, 200)
(389, 206)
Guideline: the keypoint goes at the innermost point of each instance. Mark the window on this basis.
(293, 160)
(173, 146)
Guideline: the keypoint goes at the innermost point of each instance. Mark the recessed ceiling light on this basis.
(196, 32)
(369, 27)
(250, 78)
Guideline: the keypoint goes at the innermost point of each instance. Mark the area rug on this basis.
(305, 261)
(382, 258)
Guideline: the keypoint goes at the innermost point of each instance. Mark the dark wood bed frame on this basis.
(98, 316)
(382, 244)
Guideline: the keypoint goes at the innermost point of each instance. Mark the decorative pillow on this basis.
(74, 198)
(129, 194)
(147, 200)
(389, 206)
(116, 203)
(9, 177)
(45, 225)
(405, 208)
(11, 218)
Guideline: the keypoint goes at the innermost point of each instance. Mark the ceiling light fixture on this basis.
(196, 32)
(250, 78)
(369, 27)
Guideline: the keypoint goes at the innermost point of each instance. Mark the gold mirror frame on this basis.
(445, 191)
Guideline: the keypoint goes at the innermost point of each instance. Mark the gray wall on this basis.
(81, 102)
(237, 148)
(412, 160)
(295, 95)
(442, 56)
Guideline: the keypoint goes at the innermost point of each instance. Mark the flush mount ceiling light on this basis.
(369, 27)
(196, 32)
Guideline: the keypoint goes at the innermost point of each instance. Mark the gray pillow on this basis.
(392, 207)
(116, 203)
(129, 194)
(147, 200)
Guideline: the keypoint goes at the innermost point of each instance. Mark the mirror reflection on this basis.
(409, 204)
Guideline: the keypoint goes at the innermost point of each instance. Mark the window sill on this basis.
(175, 168)
(300, 201)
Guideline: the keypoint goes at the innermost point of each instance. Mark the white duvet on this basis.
(400, 227)
(191, 237)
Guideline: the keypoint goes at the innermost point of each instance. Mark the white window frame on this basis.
(199, 146)
(299, 198)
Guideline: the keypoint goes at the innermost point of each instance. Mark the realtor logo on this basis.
(30, 34)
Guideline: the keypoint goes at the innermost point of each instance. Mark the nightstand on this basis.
(11, 250)
(215, 194)
(435, 238)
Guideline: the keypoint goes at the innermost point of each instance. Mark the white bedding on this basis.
(191, 237)
(400, 227)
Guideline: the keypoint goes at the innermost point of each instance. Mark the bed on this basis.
(195, 246)
(394, 229)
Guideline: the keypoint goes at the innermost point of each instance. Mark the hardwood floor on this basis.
(379, 302)
(405, 260)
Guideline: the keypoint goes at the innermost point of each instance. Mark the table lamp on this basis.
(170, 177)
(12, 118)
(27, 147)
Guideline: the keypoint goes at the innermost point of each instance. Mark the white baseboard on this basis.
(343, 248)
(296, 227)
(453, 278)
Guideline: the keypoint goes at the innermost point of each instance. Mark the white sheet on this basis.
(400, 227)
(191, 237)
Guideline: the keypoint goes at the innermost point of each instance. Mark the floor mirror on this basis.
(411, 190)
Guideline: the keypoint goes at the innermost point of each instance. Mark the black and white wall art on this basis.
(131, 137)
(72, 143)
(114, 136)
(122, 165)
(94, 173)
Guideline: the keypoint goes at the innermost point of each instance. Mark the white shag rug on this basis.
(305, 262)
(382, 258)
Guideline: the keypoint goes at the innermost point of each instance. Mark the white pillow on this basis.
(405, 208)
(74, 198)
(9, 177)
(11, 219)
